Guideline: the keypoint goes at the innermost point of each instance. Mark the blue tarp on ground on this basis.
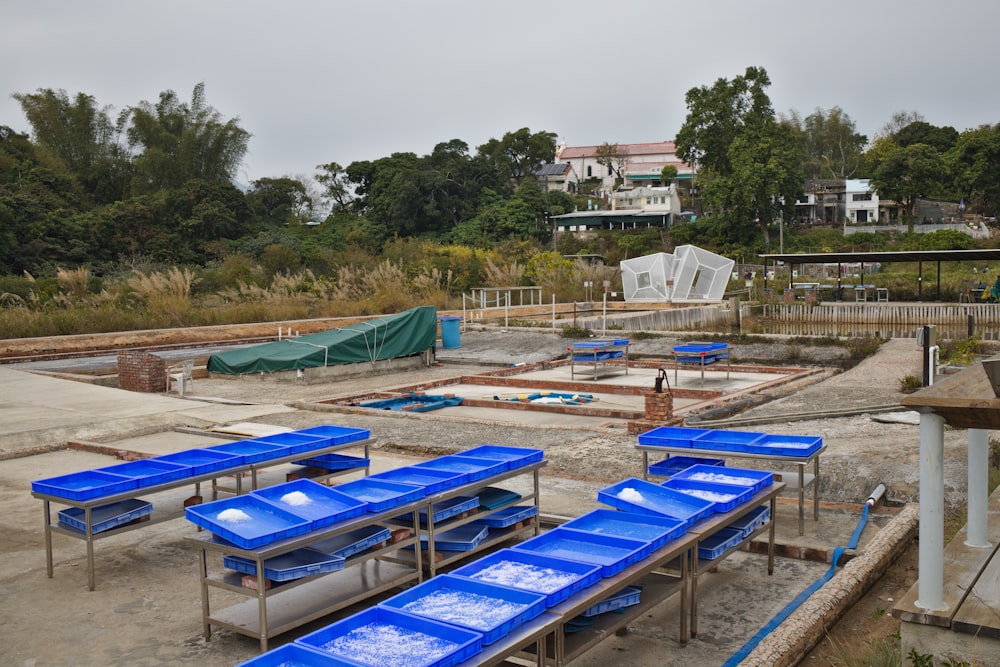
(401, 335)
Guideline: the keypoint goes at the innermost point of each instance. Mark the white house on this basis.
(642, 163)
(860, 200)
(662, 199)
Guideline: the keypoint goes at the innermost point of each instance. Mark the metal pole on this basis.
(978, 488)
(930, 557)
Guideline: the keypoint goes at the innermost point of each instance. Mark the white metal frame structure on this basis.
(689, 274)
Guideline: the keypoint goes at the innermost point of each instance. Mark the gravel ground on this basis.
(862, 451)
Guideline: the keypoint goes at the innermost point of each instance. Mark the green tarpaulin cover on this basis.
(400, 335)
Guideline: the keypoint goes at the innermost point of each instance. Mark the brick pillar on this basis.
(789, 296)
(141, 371)
(812, 297)
(659, 410)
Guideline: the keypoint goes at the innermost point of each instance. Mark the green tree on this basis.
(83, 136)
(336, 187)
(279, 201)
(178, 142)
(974, 164)
(831, 146)
(908, 174)
(518, 153)
(748, 163)
(614, 157)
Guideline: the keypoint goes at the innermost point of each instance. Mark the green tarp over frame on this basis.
(400, 335)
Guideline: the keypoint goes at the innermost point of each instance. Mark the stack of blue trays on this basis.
(385, 636)
(105, 517)
(473, 605)
(463, 538)
(557, 578)
(507, 517)
(626, 597)
(353, 542)
(290, 566)
(718, 543)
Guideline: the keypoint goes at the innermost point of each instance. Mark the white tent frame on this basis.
(690, 274)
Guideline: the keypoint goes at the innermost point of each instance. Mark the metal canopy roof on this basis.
(988, 255)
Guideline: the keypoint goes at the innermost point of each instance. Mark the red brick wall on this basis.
(142, 371)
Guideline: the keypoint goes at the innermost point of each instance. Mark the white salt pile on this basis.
(296, 498)
(710, 496)
(463, 608)
(628, 494)
(233, 515)
(525, 576)
(385, 645)
(720, 478)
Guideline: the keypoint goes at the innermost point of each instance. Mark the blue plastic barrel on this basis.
(451, 333)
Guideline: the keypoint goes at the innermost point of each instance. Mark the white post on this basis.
(506, 311)
(930, 556)
(978, 489)
(604, 315)
(553, 310)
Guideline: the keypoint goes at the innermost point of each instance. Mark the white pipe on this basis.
(876, 495)
(930, 556)
(978, 488)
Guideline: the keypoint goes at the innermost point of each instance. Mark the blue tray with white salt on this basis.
(380, 494)
(385, 636)
(726, 441)
(148, 472)
(556, 578)
(250, 451)
(513, 457)
(474, 605)
(725, 497)
(352, 542)
(290, 566)
(671, 466)
(612, 553)
(657, 530)
(249, 522)
(320, 504)
(774, 444)
(756, 479)
(473, 468)
(432, 481)
(642, 497)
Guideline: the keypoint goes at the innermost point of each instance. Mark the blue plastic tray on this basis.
(492, 497)
(375, 637)
(325, 506)
(337, 435)
(463, 538)
(655, 500)
(699, 348)
(657, 530)
(626, 597)
(718, 543)
(297, 443)
(149, 472)
(757, 479)
(724, 496)
(335, 462)
(473, 468)
(752, 521)
(670, 436)
(294, 655)
(105, 517)
(556, 578)
(599, 356)
(267, 523)
(347, 544)
(675, 464)
(447, 509)
(475, 605)
(251, 451)
(589, 344)
(380, 494)
(726, 441)
(84, 485)
(786, 445)
(201, 461)
(432, 481)
(612, 553)
(507, 517)
(287, 567)
(514, 457)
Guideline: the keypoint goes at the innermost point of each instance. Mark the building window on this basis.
(610, 172)
(867, 196)
(590, 171)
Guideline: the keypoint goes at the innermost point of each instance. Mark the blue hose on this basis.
(780, 617)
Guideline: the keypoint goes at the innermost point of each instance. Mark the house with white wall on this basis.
(642, 164)
(861, 202)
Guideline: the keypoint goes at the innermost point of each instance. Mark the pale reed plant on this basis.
(167, 295)
(433, 287)
(509, 275)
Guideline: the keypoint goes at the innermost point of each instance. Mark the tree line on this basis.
(156, 184)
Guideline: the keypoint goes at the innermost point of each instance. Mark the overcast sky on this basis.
(316, 81)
